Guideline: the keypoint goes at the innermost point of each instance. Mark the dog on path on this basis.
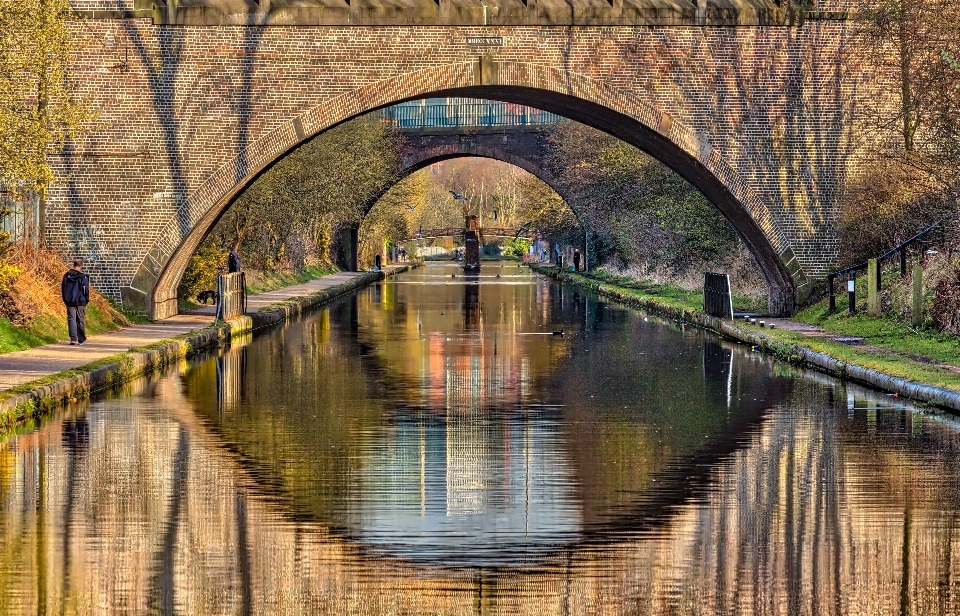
(204, 296)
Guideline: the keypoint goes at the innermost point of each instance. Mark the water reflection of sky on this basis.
(464, 489)
(470, 475)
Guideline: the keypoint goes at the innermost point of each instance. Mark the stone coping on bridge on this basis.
(463, 13)
(35, 382)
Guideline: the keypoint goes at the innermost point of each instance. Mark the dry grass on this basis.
(746, 281)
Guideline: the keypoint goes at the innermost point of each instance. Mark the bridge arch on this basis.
(625, 114)
(420, 152)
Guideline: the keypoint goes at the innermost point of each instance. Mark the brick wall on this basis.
(190, 114)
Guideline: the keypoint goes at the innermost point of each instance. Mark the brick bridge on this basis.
(524, 148)
(199, 97)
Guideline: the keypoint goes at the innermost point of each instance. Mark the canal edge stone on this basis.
(795, 354)
(19, 410)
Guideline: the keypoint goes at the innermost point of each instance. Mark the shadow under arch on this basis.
(621, 113)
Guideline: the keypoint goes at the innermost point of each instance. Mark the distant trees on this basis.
(293, 214)
(640, 214)
(392, 218)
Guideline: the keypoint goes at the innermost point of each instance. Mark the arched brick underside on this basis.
(623, 114)
(416, 158)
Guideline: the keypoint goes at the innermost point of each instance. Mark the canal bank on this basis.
(878, 368)
(38, 381)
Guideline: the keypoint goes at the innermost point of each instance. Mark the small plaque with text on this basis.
(486, 41)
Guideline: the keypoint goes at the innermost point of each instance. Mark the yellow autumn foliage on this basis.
(39, 110)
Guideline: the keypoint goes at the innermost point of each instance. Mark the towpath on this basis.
(25, 366)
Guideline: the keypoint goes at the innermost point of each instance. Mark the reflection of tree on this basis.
(164, 583)
(851, 545)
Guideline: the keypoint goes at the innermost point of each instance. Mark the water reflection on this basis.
(430, 447)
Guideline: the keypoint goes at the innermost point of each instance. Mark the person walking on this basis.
(576, 260)
(75, 291)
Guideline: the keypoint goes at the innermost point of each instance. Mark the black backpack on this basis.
(74, 290)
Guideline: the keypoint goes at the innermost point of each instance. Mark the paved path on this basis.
(24, 366)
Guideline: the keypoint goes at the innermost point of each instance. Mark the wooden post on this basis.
(873, 276)
(917, 294)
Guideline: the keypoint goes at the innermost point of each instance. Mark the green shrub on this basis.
(201, 272)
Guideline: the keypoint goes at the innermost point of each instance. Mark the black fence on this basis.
(233, 295)
(945, 232)
(717, 300)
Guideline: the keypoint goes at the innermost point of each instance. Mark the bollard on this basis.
(852, 292)
(917, 294)
(833, 296)
(873, 285)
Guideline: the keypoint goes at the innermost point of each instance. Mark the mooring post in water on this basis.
(852, 292)
(873, 286)
(917, 294)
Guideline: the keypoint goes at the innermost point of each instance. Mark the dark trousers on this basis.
(75, 323)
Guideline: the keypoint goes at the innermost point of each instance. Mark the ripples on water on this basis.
(429, 446)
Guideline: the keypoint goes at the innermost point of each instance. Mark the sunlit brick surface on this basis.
(190, 114)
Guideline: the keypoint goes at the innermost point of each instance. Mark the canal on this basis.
(437, 444)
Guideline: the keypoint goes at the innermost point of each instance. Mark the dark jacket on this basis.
(233, 262)
(75, 288)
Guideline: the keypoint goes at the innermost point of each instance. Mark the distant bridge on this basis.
(484, 232)
(465, 113)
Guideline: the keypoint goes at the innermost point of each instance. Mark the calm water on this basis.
(430, 446)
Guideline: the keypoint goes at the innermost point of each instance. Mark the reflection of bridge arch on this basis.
(628, 115)
(677, 483)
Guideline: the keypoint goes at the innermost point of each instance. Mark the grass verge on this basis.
(887, 333)
(261, 282)
(670, 294)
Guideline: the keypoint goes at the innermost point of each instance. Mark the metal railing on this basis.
(938, 233)
(22, 217)
(233, 295)
(466, 115)
(484, 231)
